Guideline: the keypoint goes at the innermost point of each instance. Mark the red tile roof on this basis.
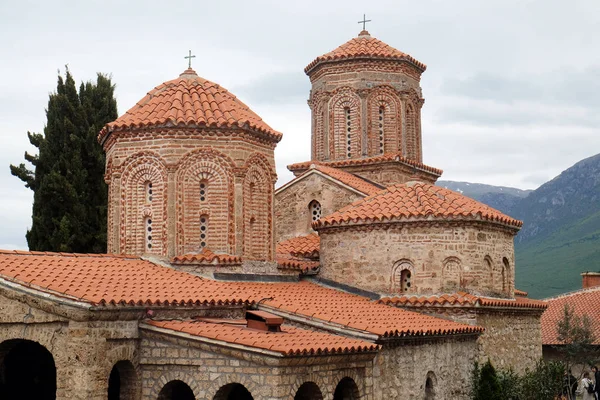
(354, 181)
(190, 100)
(112, 279)
(584, 302)
(389, 157)
(301, 246)
(348, 310)
(462, 299)
(295, 263)
(290, 341)
(363, 46)
(206, 257)
(415, 201)
(520, 293)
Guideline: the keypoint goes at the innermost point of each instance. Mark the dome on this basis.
(415, 201)
(190, 101)
(363, 46)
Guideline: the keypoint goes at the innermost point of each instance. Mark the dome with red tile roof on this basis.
(363, 46)
(190, 101)
(415, 201)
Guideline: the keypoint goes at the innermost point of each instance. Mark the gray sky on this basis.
(512, 87)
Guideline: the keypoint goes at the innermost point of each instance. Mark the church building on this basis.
(358, 279)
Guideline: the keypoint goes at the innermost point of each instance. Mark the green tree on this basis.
(70, 195)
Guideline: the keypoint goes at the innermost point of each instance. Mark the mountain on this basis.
(560, 237)
(501, 198)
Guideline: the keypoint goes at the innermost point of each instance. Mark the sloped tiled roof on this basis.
(520, 293)
(285, 261)
(388, 157)
(290, 341)
(112, 279)
(462, 299)
(415, 201)
(301, 246)
(584, 302)
(190, 100)
(116, 280)
(206, 256)
(364, 46)
(354, 181)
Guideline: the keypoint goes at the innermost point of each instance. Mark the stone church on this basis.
(359, 279)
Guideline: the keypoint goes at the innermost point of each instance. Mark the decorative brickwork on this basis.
(258, 206)
(384, 132)
(215, 170)
(345, 126)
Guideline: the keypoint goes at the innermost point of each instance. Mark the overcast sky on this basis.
(512, 88)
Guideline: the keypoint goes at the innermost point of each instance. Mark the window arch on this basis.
(346, 127)
(176, 390)
(506, 275)
(383, 133)
(451, 274)
(308, 391)
(402, 276)
(257, 206)
(430, 386)
(314, 211)
(233, 391)
(122, 382)
(346, 389)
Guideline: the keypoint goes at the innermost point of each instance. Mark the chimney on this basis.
(590, 279)
(263, 321)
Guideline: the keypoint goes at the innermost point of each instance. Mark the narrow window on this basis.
(381, 114)
(148, 224)
(315, 210)
(348, 131)
(405, 276)
(203, 231)
(203, 188)
(402, 276)
(505, 274)
(148, 190)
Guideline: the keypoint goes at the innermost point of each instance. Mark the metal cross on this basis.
(364, 21)
(189, 58)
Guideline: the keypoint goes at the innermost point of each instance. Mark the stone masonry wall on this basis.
(440, 257)
(401, 370)
(207, 368)
(292, 215)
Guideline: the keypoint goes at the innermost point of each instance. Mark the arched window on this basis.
(402, 276)
(308, 391)
(176, 390)
(233, 391)
(451, 274)
(314, 208)
(381, 122)
(505, 275)
(430, 384)
(348, 131)
(148, 233)
(122, 381)
(203, 231)
(346, 390)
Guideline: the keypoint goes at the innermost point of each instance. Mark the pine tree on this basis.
(70, 195)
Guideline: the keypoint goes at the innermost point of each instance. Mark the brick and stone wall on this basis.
(292, 213)
(401, 370)
(208, 188)
(439, 257)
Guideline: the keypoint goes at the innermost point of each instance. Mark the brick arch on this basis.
(316, 379)
(318, 104)
(258, 210)
(227, 379)
(175, 376)
(452, 274)
(344, 98)
(386, 99)
(397, 275)
(138, 169)
(353, 375)
(216, 170)
(413, 126)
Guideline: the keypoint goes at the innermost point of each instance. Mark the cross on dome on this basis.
(189, 58)
(364, 22)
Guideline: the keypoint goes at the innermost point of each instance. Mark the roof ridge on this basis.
(64, 254)
(573, 292)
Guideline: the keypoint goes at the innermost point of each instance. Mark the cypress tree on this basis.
(70, 195)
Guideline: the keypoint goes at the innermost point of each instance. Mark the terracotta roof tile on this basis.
(190, 101)
(206, 257)
(285, 261)
(584, 302)
(354, 181)
(290, 341)
(389, 157)
(301, 246)
(415, 201)
(520, 293)
(112, 279)
(462, 299)
(364, 46)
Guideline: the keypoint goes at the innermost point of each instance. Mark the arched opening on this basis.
(233, 391)
(402, 274)
(122, 381)
(346, 390)
(505, 275)
(308, 391)
(27, 371)
(430, 384)
(314, 208)
(176, 390)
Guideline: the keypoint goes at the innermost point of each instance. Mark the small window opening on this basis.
(405, 277)
(349, 131)
(315, 210)
(148, 189)
(203, 231)
(203, 188)
(148, 233)
(381, 112)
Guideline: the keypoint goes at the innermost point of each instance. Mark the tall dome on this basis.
(191, 173)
